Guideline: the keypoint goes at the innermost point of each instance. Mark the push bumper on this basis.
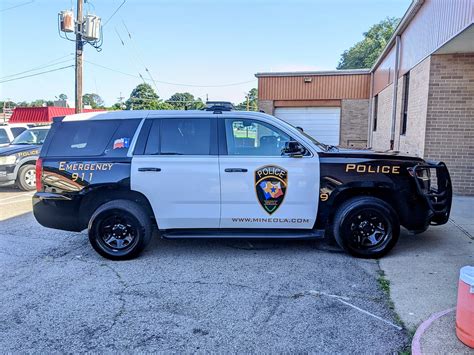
(433, 182)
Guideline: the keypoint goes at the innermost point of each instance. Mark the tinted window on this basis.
(17, 130)
(110, 138)
(153, 143)
(185, 136)
(32, 136)
(3, 136)
(249, 137)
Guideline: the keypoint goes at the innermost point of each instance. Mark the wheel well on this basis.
(385, 194)
(97, 197)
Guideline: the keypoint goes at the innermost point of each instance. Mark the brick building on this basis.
(428, 111)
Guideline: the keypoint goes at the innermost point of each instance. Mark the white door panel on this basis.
(322, 123)
(184, 194)
(240, 207)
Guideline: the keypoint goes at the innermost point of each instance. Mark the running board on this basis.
(242, 234)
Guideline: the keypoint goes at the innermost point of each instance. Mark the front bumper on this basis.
(437, 191)
(7, 175)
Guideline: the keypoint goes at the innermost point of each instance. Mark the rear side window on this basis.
(180, 136)
(4, 136)
(109, 138)
(17, 130)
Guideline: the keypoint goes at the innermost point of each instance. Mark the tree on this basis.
(93, 100)
(363, 54)
(251, 101)
(185, 101)
(62, 97)
(143, 97)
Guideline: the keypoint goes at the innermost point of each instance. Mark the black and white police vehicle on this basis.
(224, 174)
(17, 160)
(8, 132)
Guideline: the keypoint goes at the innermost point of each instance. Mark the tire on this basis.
(366, 227)
(26, 179)
(119, 230)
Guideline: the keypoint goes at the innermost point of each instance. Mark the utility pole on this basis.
(248, 103)
(79, 53)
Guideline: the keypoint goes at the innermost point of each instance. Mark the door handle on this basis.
(150, 169)
(235, 170)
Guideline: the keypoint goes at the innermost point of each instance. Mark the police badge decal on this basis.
(270, 185)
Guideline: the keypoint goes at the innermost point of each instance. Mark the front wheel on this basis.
(119, 230)
(366, 227)
(26, 179)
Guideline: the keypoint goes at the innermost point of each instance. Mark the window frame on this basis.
(223, 138)
(375, 114)
(144, 136)
(406, 93)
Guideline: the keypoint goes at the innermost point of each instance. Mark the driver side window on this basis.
(253, 138)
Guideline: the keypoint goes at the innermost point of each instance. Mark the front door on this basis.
(178, 172)
(260, 187)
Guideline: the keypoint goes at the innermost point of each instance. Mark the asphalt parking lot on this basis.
(57, 294)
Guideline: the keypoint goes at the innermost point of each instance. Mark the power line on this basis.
(36, 68)
(41, 73)
(113, 14)
(15, 6)
(170, 83)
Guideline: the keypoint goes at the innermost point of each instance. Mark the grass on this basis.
(384, 285)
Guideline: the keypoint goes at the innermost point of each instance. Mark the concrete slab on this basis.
(424, 269)
(440, 338)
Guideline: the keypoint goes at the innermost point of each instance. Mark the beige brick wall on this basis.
(413, 142)
(381, 137)
(354, 120)
(450, 117)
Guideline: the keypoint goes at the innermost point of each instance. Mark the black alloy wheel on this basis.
(119, 230)
(366, 227)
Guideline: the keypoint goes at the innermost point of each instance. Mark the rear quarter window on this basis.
(107, 138)
(17, 130)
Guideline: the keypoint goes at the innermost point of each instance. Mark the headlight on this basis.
(8, 160)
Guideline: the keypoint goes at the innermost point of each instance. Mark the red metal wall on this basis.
(322, 87)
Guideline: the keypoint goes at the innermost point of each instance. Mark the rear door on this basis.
(260, 187)
(178, 172)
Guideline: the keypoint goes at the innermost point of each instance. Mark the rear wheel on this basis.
(26, 179)
(366, 227)
(119, 230)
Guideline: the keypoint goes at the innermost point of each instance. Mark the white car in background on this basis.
(8, 132)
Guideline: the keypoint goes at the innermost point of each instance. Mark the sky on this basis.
(210, 48)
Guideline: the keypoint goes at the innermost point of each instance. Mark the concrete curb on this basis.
(416, 342)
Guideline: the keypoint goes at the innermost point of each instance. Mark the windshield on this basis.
(31, 136)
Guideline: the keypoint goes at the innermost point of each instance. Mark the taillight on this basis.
(39, 174)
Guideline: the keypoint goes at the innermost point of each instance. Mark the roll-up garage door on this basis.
(322, 123)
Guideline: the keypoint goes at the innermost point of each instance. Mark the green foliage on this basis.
(185, 101)
(364, 53)
(250, 103)
(92, 100)
(62, 96)
(143, 97)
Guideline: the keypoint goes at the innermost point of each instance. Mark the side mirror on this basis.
(293, 149)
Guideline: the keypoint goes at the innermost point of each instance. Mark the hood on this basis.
(369, 153)
(14, 149)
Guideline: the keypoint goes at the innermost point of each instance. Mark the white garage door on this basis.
(322, 123)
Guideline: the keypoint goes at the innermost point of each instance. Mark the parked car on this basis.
(201, 174)
(17, 160)
(8, 132)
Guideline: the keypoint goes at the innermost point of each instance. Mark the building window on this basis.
(406, 86)
(376, 109)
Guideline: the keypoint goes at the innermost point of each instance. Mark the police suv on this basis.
(17, 160)
(217, 173)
